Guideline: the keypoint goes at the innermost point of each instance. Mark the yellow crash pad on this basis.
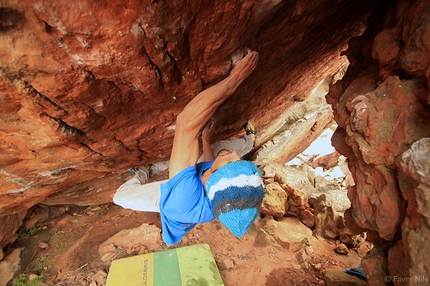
(189, 265)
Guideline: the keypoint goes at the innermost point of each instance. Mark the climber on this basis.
(226, 187)
(139, 195)
(243, 144)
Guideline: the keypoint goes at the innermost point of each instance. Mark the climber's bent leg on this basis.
(133, 195)
(243, 145)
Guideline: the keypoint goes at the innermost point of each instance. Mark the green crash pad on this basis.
(191, 265)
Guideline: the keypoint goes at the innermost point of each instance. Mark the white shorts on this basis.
(133, 195)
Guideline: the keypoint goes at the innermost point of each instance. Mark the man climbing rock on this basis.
(139, 195)
(225, 187)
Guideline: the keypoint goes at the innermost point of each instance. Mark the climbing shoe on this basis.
(249, 128)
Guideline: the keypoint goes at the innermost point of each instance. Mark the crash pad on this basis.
(189, 265)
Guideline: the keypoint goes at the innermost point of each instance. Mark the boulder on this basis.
(328, 222)
(287, 232)
(275, 201)
(337, 199)
(132, 240)
(375, 265)
(415, 186)
(10, 266)
(339, 277)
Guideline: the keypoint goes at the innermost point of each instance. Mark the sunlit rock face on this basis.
(382, 108)
(89, 89)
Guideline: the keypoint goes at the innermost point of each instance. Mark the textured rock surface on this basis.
(275, 201)
(9, 266)
(132, 240)
(415, 186)
(92, 89)
(9, 225)
(382, 108)
(287, 232)
(89, 89)
(375, 267)
(338, 277)
(303, 123)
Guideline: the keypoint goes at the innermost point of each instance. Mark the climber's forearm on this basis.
(201, 108)
(208, 154)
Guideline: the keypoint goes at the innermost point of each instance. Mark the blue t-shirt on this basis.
(183, 203)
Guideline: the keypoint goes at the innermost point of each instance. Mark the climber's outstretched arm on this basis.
(208, 153)
(199, 110)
